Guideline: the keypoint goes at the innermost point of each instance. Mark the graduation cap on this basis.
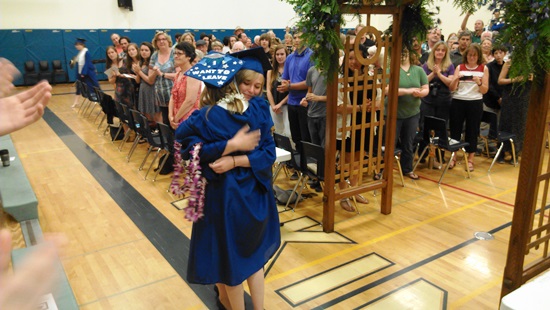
(216, 69)
(254, 59)
(80, 41)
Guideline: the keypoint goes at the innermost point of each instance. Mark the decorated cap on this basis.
(216, 69)
(80, 41)
(254, 59)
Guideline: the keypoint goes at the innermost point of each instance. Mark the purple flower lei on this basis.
(193, 182)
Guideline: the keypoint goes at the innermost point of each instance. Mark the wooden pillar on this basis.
(528, 183)
(395, 67)
(330, 151)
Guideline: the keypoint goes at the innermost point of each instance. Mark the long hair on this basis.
(130, 61)
(145, 62)
(445, 62)
(109, 62)
(211, 95)
(275, 72)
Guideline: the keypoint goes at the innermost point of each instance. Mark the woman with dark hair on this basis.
(146, 99)
(278, 100)
(127, 81)
(470, 82)
(85, 69)
(162, 69)
(186, 91)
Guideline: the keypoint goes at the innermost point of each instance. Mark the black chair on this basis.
(500, 137)
(284, 143)
(313, 166)
(435, 134)
(30, 76)
(167, 137)
(85, 93)
(58, 71)
(93, 99)
(121, 117)
(135, 115)
(44, 71)
(129, 120)
(155, 141)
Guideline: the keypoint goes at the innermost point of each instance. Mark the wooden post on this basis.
(391, 121)
(330, 150)
(524, 207)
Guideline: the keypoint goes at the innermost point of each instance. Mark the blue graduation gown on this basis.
(88, 71)
(240, 229)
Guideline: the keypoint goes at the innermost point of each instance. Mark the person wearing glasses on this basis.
(163, 70)
(186, 91)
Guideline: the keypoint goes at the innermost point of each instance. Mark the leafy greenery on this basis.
(316, 22)
(528, 31)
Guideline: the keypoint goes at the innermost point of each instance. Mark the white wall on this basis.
(167, 14)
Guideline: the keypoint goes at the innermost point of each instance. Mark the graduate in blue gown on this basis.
(85, 69)
(239, 231)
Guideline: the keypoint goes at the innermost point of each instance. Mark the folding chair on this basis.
(500, 137)
(435, 134)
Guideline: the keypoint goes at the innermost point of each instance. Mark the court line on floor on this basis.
(405, 270)
(171, 243)
(377, 239)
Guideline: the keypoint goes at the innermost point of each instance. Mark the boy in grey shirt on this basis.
(316, 102)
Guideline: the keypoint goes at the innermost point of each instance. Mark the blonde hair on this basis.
(168, 38)
(210, 96)
(188, 34)
(445, 63)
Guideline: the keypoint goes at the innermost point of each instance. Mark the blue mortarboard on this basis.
(254, 59)
(216, 69)
(80, 41)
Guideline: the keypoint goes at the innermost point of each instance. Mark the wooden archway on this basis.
(363, 166)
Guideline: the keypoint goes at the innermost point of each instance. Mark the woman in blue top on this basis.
(238, 232)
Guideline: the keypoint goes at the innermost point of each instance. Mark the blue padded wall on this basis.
(42, 44)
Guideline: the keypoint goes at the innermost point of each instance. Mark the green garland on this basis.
(316, 22)
(527, 30)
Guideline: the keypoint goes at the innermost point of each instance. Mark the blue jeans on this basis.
(405, 133)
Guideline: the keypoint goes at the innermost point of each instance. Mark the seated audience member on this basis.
(188, 37)
(464, 41)
(124, 41)
(289, 42)
(238, 30)
(486, 35)
(217, 46)
(265, 43)
(237, 47)
(177, 38)
(486, 49)
(452, 43)
(242, 37)
(202, 46)
(226, 45)
(478, 28)
(116, 43)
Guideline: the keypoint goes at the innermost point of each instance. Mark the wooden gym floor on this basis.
(128, 243)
